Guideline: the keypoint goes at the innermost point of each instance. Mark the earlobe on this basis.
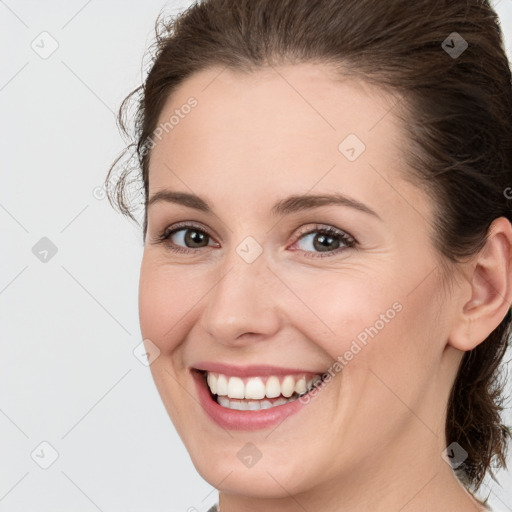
(490, 284)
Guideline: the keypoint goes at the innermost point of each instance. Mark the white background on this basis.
(69, 326)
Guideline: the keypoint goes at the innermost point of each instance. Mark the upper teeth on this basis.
(257, 388)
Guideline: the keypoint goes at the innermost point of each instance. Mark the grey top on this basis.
(215, 508)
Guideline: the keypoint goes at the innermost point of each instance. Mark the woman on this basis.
(326, 282)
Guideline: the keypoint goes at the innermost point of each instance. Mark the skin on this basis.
(371, 440)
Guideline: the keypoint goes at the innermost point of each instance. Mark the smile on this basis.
(256, 397)
(256, 393)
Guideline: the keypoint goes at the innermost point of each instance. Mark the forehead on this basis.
(284, 127)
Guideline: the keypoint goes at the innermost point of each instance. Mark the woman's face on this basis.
(250, 288)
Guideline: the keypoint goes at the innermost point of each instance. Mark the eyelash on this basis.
(345, 238)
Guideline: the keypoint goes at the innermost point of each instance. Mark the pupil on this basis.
(194, 237)
(324, 241)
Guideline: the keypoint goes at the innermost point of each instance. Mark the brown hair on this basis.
(457, 111)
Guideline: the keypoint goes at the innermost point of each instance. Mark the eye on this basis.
(184, 238)
(318, 242)
(327, 241)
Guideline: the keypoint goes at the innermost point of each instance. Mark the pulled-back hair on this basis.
(456, 109)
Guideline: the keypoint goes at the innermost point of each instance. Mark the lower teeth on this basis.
(253, 405)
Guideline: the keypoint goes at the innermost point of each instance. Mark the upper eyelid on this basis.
(302, 231)
(326, 227)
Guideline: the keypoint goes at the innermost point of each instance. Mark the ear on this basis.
(490, 287)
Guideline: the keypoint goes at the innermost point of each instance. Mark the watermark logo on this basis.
(454, 45)
(249, 249)
(249, 455)
(44, 455)
(146, 352)
(351, 147)
(45, 45)
(44, 250)
(454, 455)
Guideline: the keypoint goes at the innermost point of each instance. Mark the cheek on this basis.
(166, 296)
(382, 321)
(393, 346)
(340, 308)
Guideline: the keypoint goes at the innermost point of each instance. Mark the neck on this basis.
(405, 479)
(436, 493)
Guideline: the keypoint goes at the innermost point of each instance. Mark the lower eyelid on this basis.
(347, 240)
(320, 254)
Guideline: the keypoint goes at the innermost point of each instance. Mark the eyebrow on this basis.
(291, 204)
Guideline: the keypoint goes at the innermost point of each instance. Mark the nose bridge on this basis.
(242, 300)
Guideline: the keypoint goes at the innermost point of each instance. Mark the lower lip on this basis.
(232, 419)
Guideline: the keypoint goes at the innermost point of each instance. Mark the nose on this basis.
(243, 306)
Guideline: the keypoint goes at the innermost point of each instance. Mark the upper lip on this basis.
(251, 370)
